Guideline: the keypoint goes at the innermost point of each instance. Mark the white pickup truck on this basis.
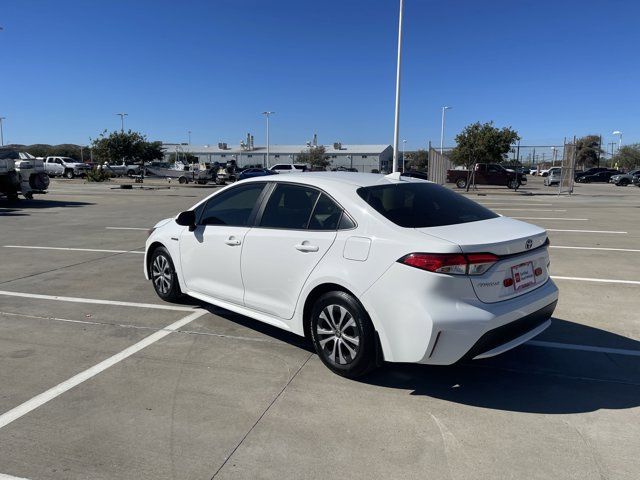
(122, 169)
(65, 166)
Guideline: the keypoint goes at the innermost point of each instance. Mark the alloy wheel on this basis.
(162, 274)
(338, 335)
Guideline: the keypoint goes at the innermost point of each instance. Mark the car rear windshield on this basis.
(420, 205)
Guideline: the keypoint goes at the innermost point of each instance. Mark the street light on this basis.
(404, 144)
(189, 132)
(618, 132)
(122, 115)
(554, 151)
(442, 129)
(396, 125)
(267, 114)
(1, 132)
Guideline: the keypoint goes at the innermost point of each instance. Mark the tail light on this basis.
(451, 263)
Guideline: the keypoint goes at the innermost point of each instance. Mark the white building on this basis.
(365, 158)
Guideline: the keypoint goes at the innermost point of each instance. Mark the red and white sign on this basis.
(523, 276)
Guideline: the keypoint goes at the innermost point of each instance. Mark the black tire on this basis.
(624, 182)
(131, 173)
(348, 346)
(163, 276)
(183, 180)
(69, 174)
(513, 184)
(461, 183)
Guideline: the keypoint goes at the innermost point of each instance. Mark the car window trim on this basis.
(275, 183)
(251, 215)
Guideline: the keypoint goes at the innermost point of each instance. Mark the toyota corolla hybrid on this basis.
(368, 267)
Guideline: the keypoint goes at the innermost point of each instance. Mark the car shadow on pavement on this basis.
(533, 378)
(10, 208)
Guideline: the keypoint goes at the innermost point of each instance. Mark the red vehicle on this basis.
(487, 174)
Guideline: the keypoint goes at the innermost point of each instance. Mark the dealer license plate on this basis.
(523, 276)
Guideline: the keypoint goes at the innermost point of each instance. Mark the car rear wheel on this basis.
(513, 184)
(461, 183)
(163, 275)
(343, 335)
(624, 182)
(69, 174)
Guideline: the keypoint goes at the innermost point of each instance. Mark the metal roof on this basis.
(276, 149)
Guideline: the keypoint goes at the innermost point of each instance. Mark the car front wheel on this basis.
(163, 275)
(343, 335)
(461, 183)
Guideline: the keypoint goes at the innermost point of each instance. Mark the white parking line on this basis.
(96, 301)
(597, 280)
(9, 477)
(584, 348)
(126, 228)
(597, 248)
(553, 218)
(518, 204)
(21, 410)
(585, 231)
(73, 249)
(527, 210)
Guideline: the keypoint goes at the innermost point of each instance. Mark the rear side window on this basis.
(326, 215)
(289, 206)
(232, 207)
(420, 205)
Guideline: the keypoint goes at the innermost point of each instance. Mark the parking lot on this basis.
(101, 380)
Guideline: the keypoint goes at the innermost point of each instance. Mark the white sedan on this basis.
(370, 268)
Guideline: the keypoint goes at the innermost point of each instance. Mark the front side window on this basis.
(290, 207)
(420, 205)
(232, 207)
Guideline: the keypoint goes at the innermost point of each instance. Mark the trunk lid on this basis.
(524, 258)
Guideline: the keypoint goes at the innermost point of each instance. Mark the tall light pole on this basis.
(554, 153)
(122, 115)
(1, 132)
(444, 109)
(189, 132)
(404, 144)
(396, 125)
(619, 133)
(267, 114)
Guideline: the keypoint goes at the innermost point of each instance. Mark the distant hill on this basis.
(45, 150)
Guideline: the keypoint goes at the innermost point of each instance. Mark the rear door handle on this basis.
(303, 247)
(232, 241)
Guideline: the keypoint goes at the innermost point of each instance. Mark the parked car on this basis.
(255, 172)
(590, 171)
(553, 176)
(344, 169)
(289, 168)
(65, 166)
(369, 268)
(415, 174)
(23, 173)
(9, 178)
(488, 174)
(624, 179)
(600, 177)
(121, 169)
(636, 180)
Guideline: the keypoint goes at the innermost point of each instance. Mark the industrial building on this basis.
(365, 158)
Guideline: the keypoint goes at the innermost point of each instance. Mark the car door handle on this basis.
(303, 247)
(232, 241)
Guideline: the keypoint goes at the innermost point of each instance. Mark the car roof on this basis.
(338, 179)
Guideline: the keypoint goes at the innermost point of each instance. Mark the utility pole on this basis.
(442, 130)
(189, 132)
(267, 114)
(122, 115)
(1, 132)
(396, 125)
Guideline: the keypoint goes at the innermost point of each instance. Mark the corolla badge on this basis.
(529, 244)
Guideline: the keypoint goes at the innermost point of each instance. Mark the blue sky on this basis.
(548, 68)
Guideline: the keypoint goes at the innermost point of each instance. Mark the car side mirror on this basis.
(187, 219)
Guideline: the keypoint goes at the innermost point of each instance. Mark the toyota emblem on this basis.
(529, 244)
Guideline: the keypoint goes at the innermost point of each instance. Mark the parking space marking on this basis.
(528, 210)
(597, 280)
(597, 248)
(584, 348)
(96, 301)
(126, 228)
(586, 231)
(553, 218)
(518, 204)
(39, 400)
(72, 249)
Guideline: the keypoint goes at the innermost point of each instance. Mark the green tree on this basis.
(125, 147)
(316, 158)
(418, 160)
(627, 157)
(588, 151)
(482, 143)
